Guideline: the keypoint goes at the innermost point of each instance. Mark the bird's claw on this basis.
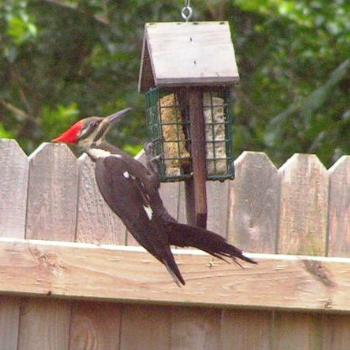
(149, 148)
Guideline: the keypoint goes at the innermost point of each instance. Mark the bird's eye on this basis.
(94, 123)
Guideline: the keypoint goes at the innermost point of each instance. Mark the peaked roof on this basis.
(192, 53)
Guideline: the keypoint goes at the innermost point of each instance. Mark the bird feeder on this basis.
(187, 74)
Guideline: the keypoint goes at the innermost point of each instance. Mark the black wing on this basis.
(123, 193)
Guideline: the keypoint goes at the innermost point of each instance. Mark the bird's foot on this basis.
(149, 149)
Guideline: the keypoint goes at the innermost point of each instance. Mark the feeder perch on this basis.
(187, 74)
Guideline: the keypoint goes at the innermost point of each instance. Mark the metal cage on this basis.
(168, 127)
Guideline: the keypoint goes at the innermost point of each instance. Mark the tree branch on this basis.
(15, 110)
(58, 3)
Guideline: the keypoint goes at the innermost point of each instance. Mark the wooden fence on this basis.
(61, 295)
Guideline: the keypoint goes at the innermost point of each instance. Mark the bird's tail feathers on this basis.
(178, 279)
(173, 269)
(182, 235)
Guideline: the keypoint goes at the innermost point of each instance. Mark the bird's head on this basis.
(90, 130)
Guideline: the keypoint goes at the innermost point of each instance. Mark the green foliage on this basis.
(64, 60)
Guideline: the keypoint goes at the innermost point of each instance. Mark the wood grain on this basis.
(336, 329)
(145, 327)
(13, 189)
(246, 329)
(97, 223)
(198, 153)
(181, 216)
(129, 274)
(195, 328)
(218, 198)
(339, 208)
(207, 54)
(9, 319)
(336, 332)
(52, 193)
(95, 326)
(252, 225)
(303, 206)
(169, 193)
(254, 203)
(303, 230)
(51, 215)
(14, 166)
(297, 331)
(44, 324)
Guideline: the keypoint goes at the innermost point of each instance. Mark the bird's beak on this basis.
(109, 121)
(113, 118)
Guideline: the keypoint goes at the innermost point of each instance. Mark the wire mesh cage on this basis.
(168, 126)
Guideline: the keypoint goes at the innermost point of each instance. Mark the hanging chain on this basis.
(187, 12)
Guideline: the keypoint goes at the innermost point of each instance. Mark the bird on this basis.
(131, 190)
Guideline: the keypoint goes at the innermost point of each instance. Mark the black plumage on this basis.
(132, 191)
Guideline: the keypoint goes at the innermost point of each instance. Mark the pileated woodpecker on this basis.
(131, 191)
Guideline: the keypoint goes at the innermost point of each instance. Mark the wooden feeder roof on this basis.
(193, 53)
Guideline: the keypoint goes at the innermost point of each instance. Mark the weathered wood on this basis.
(95, 326)
(181, 216)
(303, 229)
(125, 274)
(336, 332)
(207, 54)
(190, 206)
(339, 208)
(218, 200)
(51, 214)
(252, 225)
(145, 327)
(254, 203)
(44, 325)
(245, 329)
(13, 193)
(52, 193)
(146, 79)
(169, 193)
(9, 319)
(303, 206)
(198, 153)
(97, 223)
(13, 189)
(194, 328)
(297, 331)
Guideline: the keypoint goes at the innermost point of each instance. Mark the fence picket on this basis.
(253, 225)
(13, 202)
(195, 328)
(95, 325)
(97, 223)
(337, 327)
(254, 204)
(145, 327)
(339, 208)
(51, 215)
(303, 227)
(13, 189)
(304, 206)
(218, 197)
(263, 210)
(246, 329)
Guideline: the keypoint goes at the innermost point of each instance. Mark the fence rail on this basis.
(300, 208)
